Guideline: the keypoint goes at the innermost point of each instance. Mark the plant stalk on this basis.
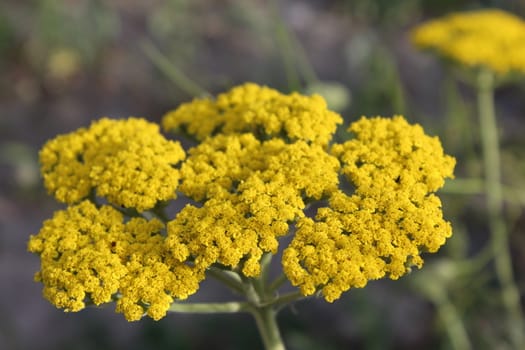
(266, 319)
(162, 62)
(208, 308)
(494, 197)
(454, 324)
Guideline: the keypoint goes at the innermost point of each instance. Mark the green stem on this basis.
(260, 302)
(264, 307)
(477, 186)
(266, 319)
(296, 62)
(175, 75)
(286, 299)
(208, 308)
(277, 283)
(228, 278)
(494, 195)
(284, 43)
(453, 323)
(260, 282)
(160, 213)
(464, 186)
(304, 65)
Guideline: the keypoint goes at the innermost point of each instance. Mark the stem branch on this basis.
(266, 319)
(172, 72)
(205, 308)
(277, 283)
(452, 320)
(228, 278)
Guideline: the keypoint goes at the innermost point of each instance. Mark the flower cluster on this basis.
(258, 110)
(262, 158)
(490, 38)
(92, 253)
(126, 161)
(389, 219)
(251, 191)
(252, 171)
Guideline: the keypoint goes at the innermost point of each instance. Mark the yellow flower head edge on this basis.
(260, 110)
(248, 187)
(93, 253)
(128, 162)
(490, 38)
(386, 223)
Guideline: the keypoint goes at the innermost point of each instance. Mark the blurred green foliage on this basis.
(86, 28)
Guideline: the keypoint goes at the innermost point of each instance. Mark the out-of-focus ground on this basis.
(64, 63)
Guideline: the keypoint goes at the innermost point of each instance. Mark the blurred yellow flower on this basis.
(63, 63)
(491, 38)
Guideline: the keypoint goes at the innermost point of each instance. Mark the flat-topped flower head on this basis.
(257, 109)
(90, 253)
(386, 223)
(262, 159)
(491, 38)
(126, 161)
(251, 191)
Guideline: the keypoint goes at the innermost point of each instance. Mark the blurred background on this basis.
(64, 63)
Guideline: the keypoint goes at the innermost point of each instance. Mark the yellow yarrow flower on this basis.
(126, 161)
(251, 191)
(257, 109)
(492, 38)
(252, 170)
(386, 223)
(90, 253)
(263, 157)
